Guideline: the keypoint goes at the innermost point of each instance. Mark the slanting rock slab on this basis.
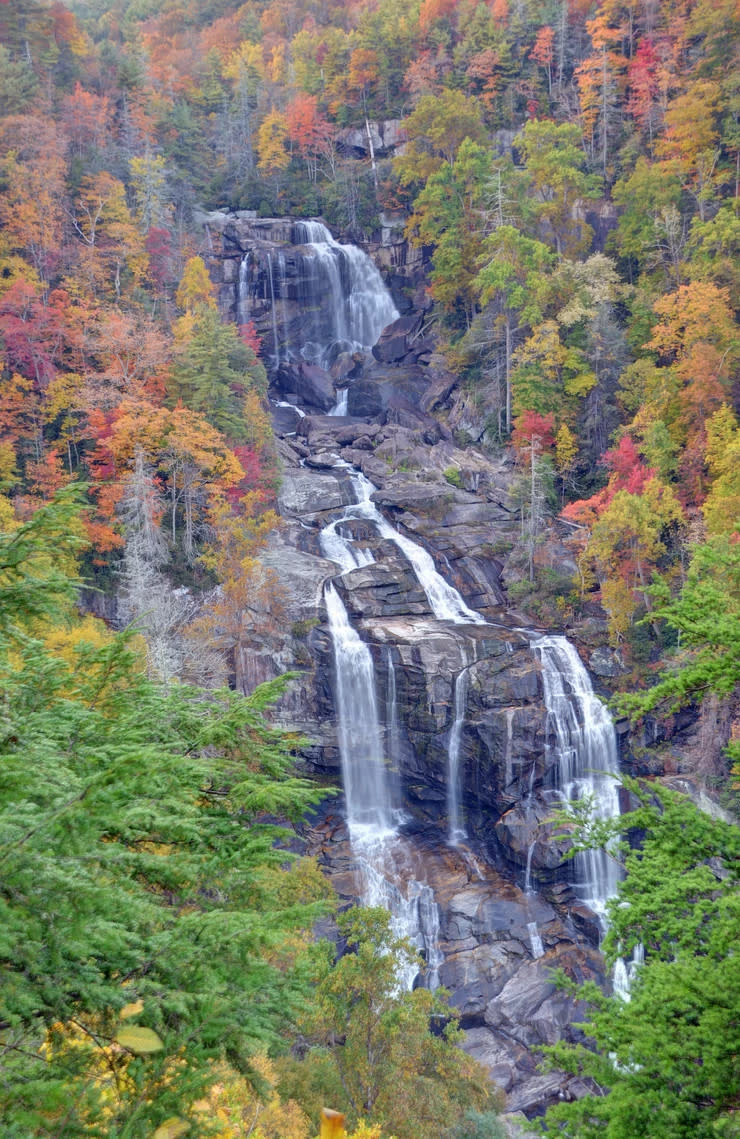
(305, 492)
(301, 578)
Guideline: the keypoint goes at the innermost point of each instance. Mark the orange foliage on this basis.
(433, 10)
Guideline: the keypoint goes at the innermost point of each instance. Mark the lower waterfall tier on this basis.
(452, 700)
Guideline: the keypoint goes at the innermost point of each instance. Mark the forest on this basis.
(566, 173)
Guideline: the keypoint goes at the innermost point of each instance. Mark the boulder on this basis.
(395, 338)
(531, 1009)
(315, 387)
(605, 662)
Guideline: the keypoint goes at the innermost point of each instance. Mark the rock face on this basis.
(459, 704)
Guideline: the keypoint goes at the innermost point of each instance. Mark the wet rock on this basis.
(372, 394)
(503, 1059)
(314, 386)
(384, 589)
(301, 577)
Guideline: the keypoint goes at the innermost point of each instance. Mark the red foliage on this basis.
(543, 51)
(531, 428)
(643, 82)
(158, 244)
(33, 333)
(628, 470)
(47, 475)
(248, 334)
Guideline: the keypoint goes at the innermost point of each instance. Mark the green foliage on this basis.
(479, 1125)
(665, 1059)
(373, 1048)
(706, 614)
(447, 215)
(38, 573)
(555, 163)
(213, 371)
(135, 869)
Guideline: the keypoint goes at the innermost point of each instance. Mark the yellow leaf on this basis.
(138, 1039)
(131, 1010)
(172, 1128)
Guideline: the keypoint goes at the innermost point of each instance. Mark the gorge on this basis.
(453, 725)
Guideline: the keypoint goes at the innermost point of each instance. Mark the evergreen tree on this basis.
(141, 931)
(665, 1060)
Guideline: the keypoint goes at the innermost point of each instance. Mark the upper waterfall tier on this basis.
(340, 303)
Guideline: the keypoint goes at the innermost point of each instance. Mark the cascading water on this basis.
(369, 811)
(528, 818)
(444, 600)
(393, 731)
(625, 973)
(535, 940)
(242, 310)
(456, 831)
(585, 745)
(344, 304)
(275, 337)
(343, 288)
(371, 819)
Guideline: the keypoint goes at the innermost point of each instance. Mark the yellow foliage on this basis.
(722, 506)
(196, 288)
(8, 470)
(246, 62)
(365, 1130)
(619, 602)
(566, 448)
(237, 1109)
(106, 1064)
(66, 642)
(271, 139)
(368, 1131)
(7, 515)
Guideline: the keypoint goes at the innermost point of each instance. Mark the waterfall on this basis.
(370, 815)
(393, 731)
(345, 291)
(342, 550)
(363, 770)
(243, 291)
(535, 940)
(585, 745)
(444, 600)
(528, 819)
(276, 339)
(345, 305)
(456, 830)
(414, 915)
(342, 404)
(624, 973)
